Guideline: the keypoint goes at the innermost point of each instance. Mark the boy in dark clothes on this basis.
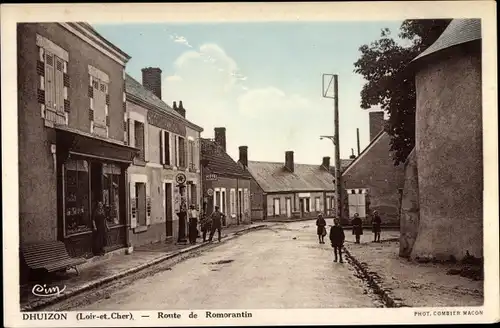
(337, 238)
(376, 224)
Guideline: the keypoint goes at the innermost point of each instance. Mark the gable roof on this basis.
(274, 177)
(137, 90)
(219, 162)
(363, 153)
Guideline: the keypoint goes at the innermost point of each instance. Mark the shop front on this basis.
(91, 171)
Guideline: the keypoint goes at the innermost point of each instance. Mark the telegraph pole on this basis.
(338, 174)
(357, 138)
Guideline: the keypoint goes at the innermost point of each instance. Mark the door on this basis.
(302, 207)
(288, 207)
(168, 210)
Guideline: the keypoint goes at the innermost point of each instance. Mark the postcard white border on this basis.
(254, 12)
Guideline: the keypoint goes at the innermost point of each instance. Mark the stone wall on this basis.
(409, 215)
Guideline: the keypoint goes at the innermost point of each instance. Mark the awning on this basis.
(72, 141)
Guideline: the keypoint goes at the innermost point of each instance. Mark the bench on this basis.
(51, 256)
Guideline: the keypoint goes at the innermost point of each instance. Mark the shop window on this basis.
(111, 193)
(77, 217)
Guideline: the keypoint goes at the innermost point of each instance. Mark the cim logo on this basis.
(44, 291)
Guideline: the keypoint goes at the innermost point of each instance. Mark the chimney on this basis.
(243, 155)
(326, 163)
(180, 109)
(220, 137)
(151, 80)
(289, 161)
(376, 123)
(352, 154)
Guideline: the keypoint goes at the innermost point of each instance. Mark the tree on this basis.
(392, 87)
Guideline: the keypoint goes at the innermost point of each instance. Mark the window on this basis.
(139, 138)
(317, 204)
(217, 198)
(232, 201)
(164, 147)
(276, 207)
(52, 66)
(77, 216)
(307, 204)
(223, 208)
(181, 162)
(245, 200)
(239, 208)
(111, 192)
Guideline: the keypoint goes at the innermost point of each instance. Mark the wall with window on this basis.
(232, 196)
(53, 83)
(284, 205)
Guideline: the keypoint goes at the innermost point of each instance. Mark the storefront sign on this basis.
(304, 194)
(167, 123)
(211, 177)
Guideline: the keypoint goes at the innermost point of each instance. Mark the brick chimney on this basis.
(289, 161)
(151, 80)
(376, 123)
(220, 137)
(326, 163)
(181, 110)
(243, 155)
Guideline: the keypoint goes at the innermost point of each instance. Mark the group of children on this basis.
(337, 236)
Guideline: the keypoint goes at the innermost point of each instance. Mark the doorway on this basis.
(168, 210)
(302, 206)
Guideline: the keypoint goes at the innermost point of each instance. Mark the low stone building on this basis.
(372, 182)
(288, 190)
(449, 145)
(225, 183)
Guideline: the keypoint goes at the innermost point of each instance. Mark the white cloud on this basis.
(207, 81)
(181, 40)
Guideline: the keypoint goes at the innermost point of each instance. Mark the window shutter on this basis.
(133, 206)
(148, 204)
(245, 201)
(49, 80)
(131, 133)
(162, 147)
(59, 85)
(167, 155)
(146, 141)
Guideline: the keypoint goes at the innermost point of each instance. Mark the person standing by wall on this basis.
(193, 224)
(376, 226)
(100, 228)
(217, 218)
(337, 238)
(357, 227)
(321, 228)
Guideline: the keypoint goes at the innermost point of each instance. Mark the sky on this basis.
(261, 81)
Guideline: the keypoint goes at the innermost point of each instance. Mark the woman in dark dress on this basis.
(357, 227)
(100, 227)
(193, 224)
(376, 226)
(321, 228)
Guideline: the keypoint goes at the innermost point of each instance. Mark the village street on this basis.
(282, 266)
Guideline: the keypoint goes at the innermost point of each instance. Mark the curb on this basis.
(36, 305)
(375, 283)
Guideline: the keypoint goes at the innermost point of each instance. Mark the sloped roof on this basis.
(363, 153)
(274, 177)
(139, 91)
(459, 31)
(219, 162)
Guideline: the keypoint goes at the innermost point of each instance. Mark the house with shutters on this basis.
(372, 182)
(168, 145)
(288, 190)
(74, 148)
(225, 183)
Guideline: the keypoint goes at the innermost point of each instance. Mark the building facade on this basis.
(225, 183)
(168, 146)
(372, 182)
(288, 190)
(449, 145)
(74, 148)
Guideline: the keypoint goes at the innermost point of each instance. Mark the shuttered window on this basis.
(182, 152)
(164, 147)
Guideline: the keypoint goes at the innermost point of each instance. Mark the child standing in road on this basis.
(376, 226)
(337, 238)
(321, 230)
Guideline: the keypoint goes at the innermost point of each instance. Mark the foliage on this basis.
(390, 85)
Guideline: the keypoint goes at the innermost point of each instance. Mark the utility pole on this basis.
(357, 136)
(338, 174)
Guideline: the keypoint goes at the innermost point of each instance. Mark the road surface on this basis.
(282, 266)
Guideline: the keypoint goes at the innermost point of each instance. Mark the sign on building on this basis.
(211, 177)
